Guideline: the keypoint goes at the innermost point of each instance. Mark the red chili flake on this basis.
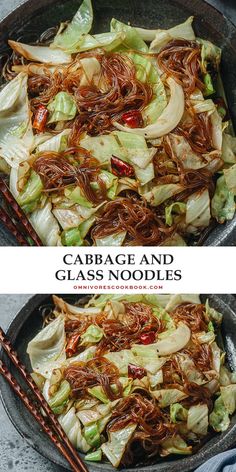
(40, 118)
(133, 119)
(71, 347)
(121, 168)
(136, 372)
(148, 338)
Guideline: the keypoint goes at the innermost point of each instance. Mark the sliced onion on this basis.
(40, 53)
(175, 341)
(168, 120)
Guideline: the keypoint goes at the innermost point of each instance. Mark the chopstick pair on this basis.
(15, 218)
(56, 433)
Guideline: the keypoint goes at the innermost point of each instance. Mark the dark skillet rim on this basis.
(188, 463)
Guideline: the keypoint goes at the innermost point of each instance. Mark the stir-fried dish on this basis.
(118, 138)
(133, 378)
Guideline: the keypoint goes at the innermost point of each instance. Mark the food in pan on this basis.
(133, 378)
(118, 138)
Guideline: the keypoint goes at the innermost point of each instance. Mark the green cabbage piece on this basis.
(115, 239)
(228, 395)
(219, 418)
(176, 208)
(132, 38)
(209, 88)
(118, 440)
(214, 315)
(169, 396)
(98, 393)
(178, 413)
(230, 178)
(95, 456)
(93, 334)
(197, 420)
(160, 193)
(31, 191)
(108, 41)
(72, 237)
(47, 349)
(60, 396)
(62, 108)
(76, 195)
(92, 435)
(198, 210)
(175, 445)
(72, 427)
(222, 204)
(229, 148)
(182, 30)
(70, 38)
(210, 53)
(56, 143)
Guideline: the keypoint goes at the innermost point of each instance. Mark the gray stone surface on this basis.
(15, 453)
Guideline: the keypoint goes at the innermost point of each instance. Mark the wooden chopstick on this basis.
(10, 225)
(8, 348)
(19, 215)
(38, 416)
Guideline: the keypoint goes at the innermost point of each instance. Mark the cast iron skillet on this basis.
(33, 17)
(27, 324)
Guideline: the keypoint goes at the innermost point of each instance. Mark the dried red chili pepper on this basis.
(40, 118)
(148, 338)
(136, 372)
(72, 344)
(133, 119)
(121, 168)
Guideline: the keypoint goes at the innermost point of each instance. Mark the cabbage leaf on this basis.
(118, 440)
(222, 204)
(62, 108)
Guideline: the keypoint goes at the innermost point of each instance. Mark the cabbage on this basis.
(189, 159)
(132, 38)
(71, 237)
(213, 314)
(219, 418)
(84, 356)
(226, 377)
(98, 392)
(228, 395)
(160, 193)
(108, 41)
(216, 123)
(169, 118)
(174, 240)
(75, 310)
(46, 350)
(115, 239)
(178, 413)
(189, 369)
(176, 208)
(122, 359)
(198, 209)
(230, 178)
(222, 204)
(31, 191)
(198, 419)
(71, 425)
(210, 53)
(16, 136)
(60, 397)
(70, 38)
(92, 71)
(77, 196)
(175, 445)
(229, 148)
(92, 435)
(181, 31)
(168, 396)
(40, 53)
(56, 143)
(118, 440)
(93, 334)
(46, 225)
(95, 456)
(209, 88)
(216, 357)
(62, 108)
(176, 300)
(155, 379)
